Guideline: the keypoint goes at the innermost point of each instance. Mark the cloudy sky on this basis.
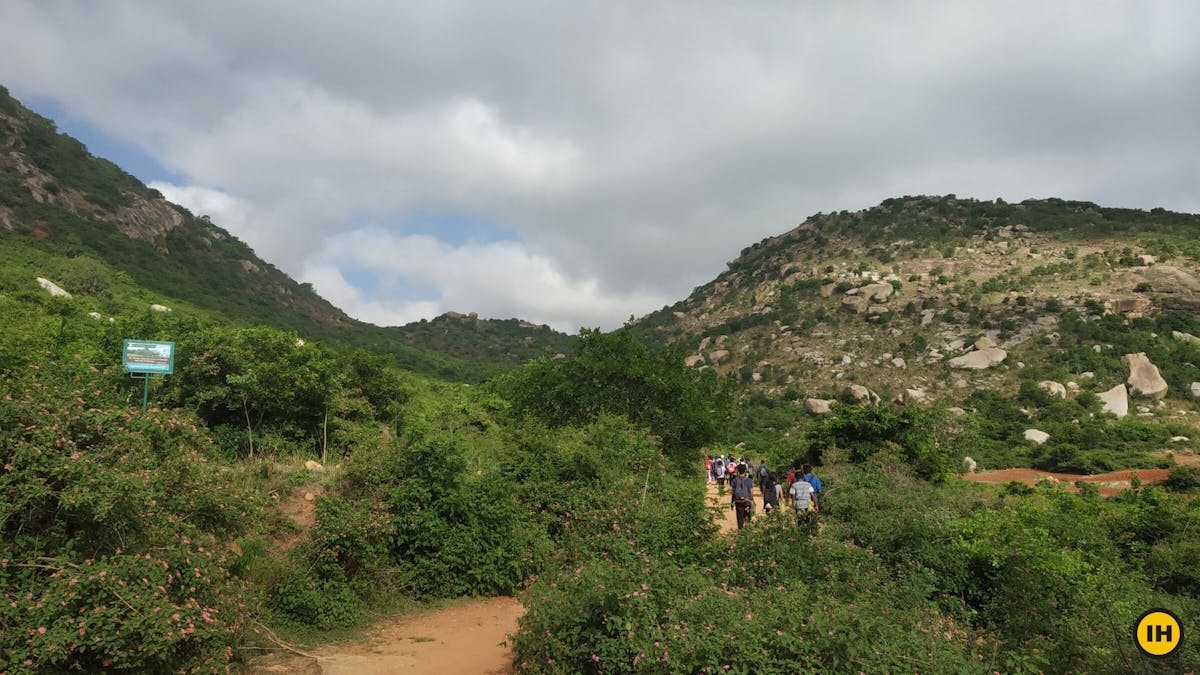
(575, 163)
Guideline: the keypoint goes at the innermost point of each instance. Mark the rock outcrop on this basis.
(818, 406)
(1053, 388)
(53, 288)
(693, 361)
(979, 359)
(1185, 337)
(718, 356)
(1036, 436)
(1116, 401)
(910, 397)
(969, 465)
(856, 304)
(877, 292)
(1144, 378)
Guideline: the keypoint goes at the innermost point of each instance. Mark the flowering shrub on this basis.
(113, 528)
(774, 601)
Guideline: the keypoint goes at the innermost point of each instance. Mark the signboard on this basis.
(144, 356)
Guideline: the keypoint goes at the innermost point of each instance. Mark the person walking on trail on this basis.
(801, 494)
(743, 495)
(770, 494)
(708, 469)
(760, 472)
(719, 471)
(811, 479)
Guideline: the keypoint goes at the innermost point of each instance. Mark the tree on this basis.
(615, 373)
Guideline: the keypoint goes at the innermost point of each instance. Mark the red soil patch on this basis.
(1109, 483)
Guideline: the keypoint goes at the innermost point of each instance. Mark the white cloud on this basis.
(498, 280)
(632, 147)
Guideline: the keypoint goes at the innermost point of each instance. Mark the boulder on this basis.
(1036, 436)
(968, 465)
(1147, 260)
(314, 466)
(1116, 401)
(1053, 388)
(1196, 390)
(985, 342)
(956, 411)
(877, 292)
(1185, 337)
(1131, 306)
(1073, 387)
(704, 343)
(53, 288)
(911, 396)
(898, 363)
(876, 310)
(864, 395)
(855, 304)
(818, 406)
(159, 308)
(693, 361)
(95, 315)
(827, 290)
(718, 356)
(979, 359)
(1180, 439)
(1144, 378)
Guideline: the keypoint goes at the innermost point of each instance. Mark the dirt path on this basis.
(466, 638)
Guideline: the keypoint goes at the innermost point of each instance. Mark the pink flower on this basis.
(596, 658)
(41, 630)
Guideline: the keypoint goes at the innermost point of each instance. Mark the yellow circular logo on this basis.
(1158, 633)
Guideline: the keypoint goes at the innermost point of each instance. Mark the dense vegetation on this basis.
(155, 541)
(583, 505)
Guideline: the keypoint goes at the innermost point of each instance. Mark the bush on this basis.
(114, 528)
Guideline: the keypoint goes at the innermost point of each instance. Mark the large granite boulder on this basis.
(1144, 378)
(877, 292)
(855, 304)
(818, 406)
(1116, 401)
(1053, 388)
(1185, 337)
(1036, 436)
(979, 359)
(718, 356)
(53, 288)
(693, 361)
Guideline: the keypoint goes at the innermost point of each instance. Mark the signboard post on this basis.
(144, 359)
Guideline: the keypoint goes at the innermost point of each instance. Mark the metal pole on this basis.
(145, 391)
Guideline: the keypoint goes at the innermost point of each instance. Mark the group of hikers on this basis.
(800, 489)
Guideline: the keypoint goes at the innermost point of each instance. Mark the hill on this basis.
(95, 220)
(940, 299)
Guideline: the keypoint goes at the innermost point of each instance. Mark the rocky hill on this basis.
(934, 298)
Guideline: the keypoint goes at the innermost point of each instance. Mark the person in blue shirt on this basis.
(811, 479)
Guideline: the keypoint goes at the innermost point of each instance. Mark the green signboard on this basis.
(144, 356)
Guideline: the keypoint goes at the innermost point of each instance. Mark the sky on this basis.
(578, 163)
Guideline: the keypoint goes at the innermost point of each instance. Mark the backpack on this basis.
(741, 488)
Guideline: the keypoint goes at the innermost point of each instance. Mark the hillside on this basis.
(95, 221)
(924, 299)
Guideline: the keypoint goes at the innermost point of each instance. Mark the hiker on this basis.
(742, 495)
(719, 470)
(760, 472)
(770, 494)
(811, 479)
(801, 493)
(708, 470)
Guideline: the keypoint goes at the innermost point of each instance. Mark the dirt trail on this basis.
(466, 638)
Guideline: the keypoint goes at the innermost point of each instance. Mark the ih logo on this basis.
(1158, 633)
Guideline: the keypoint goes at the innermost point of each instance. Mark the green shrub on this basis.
(114, 531)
